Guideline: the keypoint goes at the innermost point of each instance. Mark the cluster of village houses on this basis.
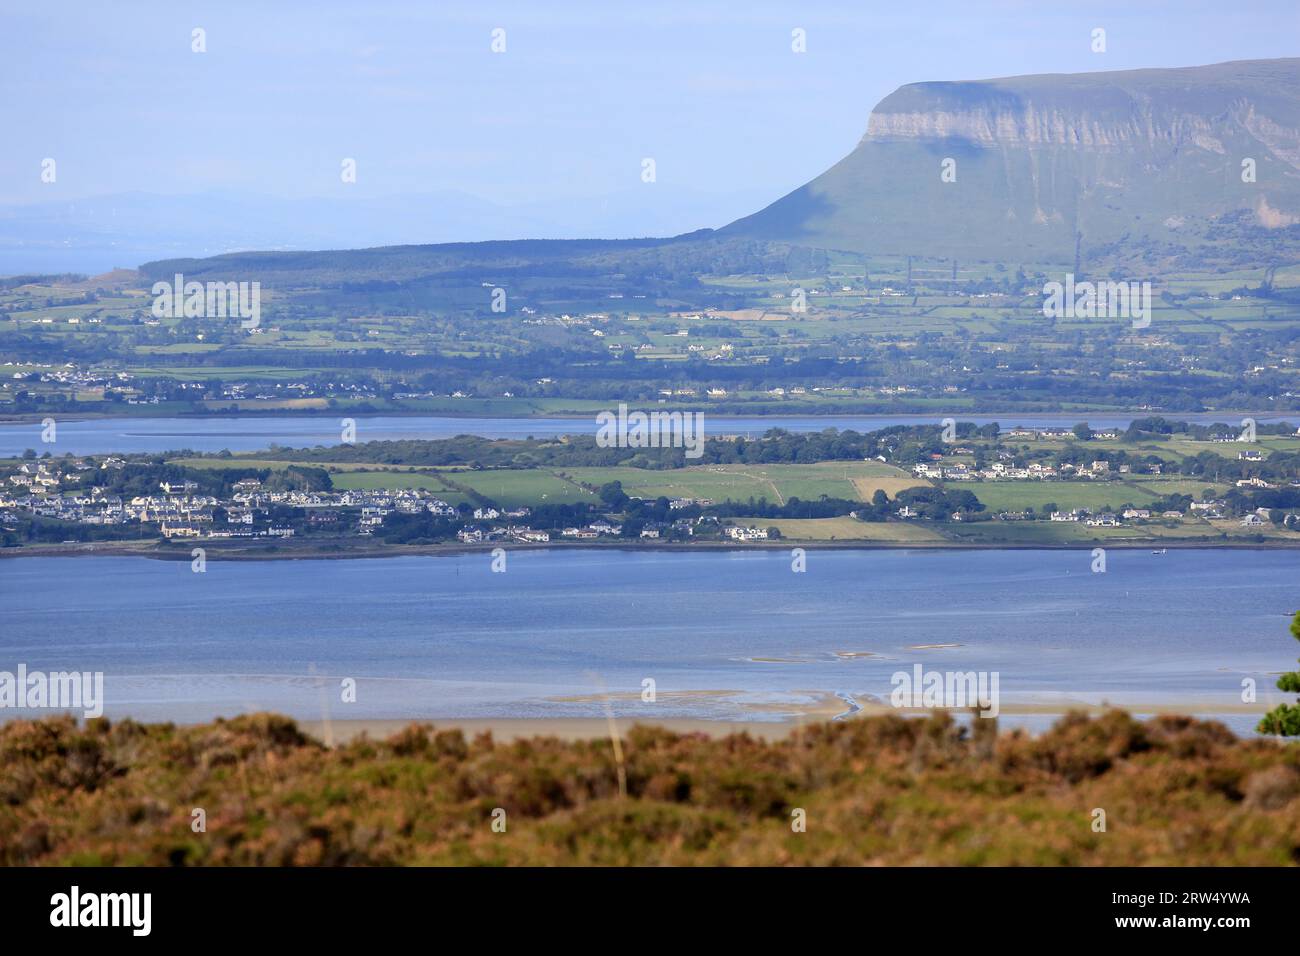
(1001, 471)
(604, 528)
(181, 512)
(77, 380)
(936, 469)
(1205, 509)
(70, 375)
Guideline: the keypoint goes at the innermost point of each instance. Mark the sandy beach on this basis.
(588, 728)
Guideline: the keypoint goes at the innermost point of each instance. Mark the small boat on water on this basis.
(1160, 551)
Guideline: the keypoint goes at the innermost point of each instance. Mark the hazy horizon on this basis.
(512, 144)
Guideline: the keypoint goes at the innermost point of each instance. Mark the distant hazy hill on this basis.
(1138, 170)
(1142, 156)
(471, 261)
(94, 234)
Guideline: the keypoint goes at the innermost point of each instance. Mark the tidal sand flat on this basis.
(564, 634)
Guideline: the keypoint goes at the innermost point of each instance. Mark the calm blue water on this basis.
(101, 436)
(446, 637)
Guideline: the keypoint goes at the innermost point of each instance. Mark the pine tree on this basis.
(1284, 719)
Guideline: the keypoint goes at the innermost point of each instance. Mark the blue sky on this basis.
(582, 94)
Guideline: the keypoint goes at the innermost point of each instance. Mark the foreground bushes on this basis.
(883, 790)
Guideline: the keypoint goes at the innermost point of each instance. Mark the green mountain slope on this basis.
(1143, 157)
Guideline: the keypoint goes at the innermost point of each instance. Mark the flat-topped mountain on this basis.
(1143, 171)
(1034, 163)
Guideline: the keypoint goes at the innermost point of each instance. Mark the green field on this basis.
(1095, 495)
(278, 464)
(389, 480)
(1161, 485)
(1065, 532)
(848, 529)
(513, 487)
(1176, 449)
(776, 483)
(853, 481)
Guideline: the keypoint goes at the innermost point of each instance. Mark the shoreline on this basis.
(217, 552)
(1072, 417)
(764, 721)
(598, 728)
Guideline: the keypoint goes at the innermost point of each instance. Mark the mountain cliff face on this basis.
(1032, 168)
(1030, 125)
